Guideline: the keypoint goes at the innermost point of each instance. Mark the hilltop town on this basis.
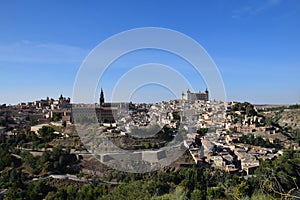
(232, 137)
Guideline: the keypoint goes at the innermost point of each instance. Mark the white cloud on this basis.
(31, 52)
(255, 8)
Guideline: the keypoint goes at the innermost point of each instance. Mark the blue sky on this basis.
(255, 44)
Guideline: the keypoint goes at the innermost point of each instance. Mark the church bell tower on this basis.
(101, 97)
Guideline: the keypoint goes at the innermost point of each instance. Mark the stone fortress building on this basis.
(191, 97)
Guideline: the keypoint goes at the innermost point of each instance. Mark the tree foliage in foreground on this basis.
(277, 179)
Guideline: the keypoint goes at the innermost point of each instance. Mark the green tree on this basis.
(241, 189)
(202, 131)
(197, 195)
(47, 133)
(56, 117)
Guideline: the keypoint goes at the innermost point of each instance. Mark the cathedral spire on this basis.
(101, 97)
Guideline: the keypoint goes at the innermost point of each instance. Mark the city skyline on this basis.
(255, 45)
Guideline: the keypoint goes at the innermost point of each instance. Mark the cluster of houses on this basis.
(223, 149)
(220, 147)
(17, 119)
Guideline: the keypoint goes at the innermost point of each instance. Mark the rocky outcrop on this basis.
(289, 118)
